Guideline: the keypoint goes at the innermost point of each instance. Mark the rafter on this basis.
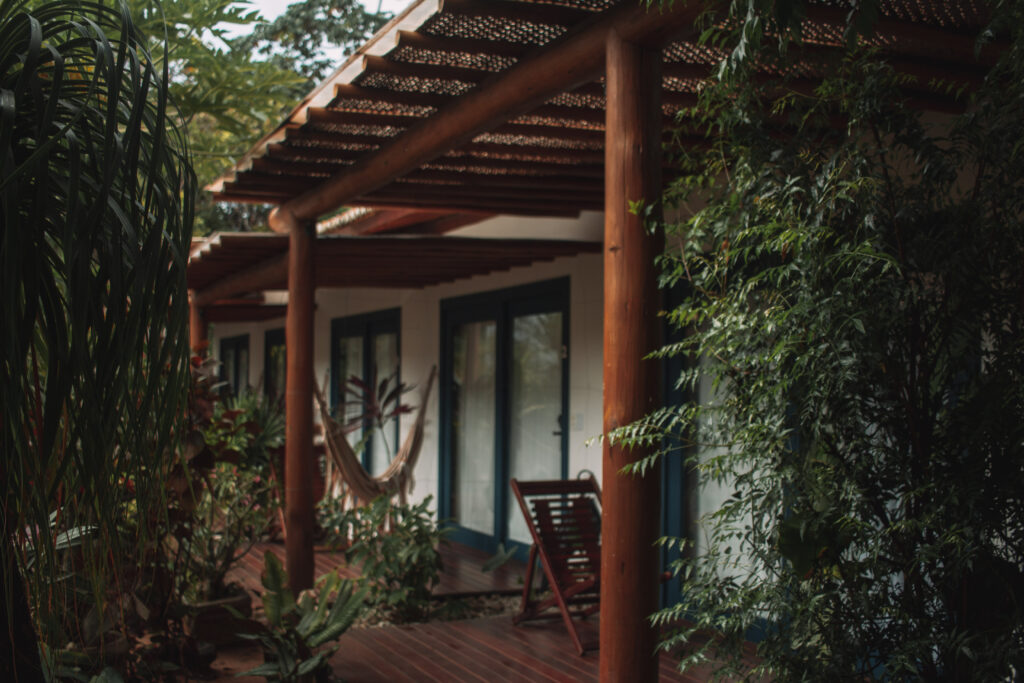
(552, 15)
(506, 207)
(438, 72)
(344, 91)
(448, 178)
(563, 65)
(268, 274)
(955, 45)
(391, 221)
(483, 46)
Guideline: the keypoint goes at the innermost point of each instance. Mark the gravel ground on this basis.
(448, 609)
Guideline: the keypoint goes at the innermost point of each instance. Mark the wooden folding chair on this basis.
(564, 518)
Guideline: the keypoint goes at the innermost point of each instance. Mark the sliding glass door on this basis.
(535, 400)
(504, 402)
(473, 423)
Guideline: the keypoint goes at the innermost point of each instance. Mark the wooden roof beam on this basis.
(331, 117)
(390, 221)
(552, 15)
(511, 167)
(488, 192)
(445, 224)
(349, 91)
(438, 72)
(506, 207)
(955, 46)
(481, 197)
(577, 156)
(272, 272)
(271, 165)
(568, 63)
(319, 152)
(535, 130)
(312, 162)
(221, 312)
(924, 69)
(355, 142)
(449, 178)
(320, 116)
(266, 182)
(419, 41)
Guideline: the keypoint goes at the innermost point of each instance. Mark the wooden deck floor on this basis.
(489, 650)
(461, 575)
(483, 650)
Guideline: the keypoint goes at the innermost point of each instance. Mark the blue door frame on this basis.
(273, 339)
(501, 307)
(678, 481)
(237, 375)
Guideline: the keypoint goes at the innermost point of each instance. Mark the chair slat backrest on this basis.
(564, 518)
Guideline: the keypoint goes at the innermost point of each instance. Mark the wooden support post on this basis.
(299, 462)
(631, 504)
(197, 339)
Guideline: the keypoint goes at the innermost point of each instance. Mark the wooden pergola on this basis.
(532, 107)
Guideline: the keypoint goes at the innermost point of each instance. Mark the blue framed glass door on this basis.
(504, 401)
(234, 363)
(275, 365)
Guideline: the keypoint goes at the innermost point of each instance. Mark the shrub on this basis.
(853, 319)
(234, 511)
(298, 639)
(396, 547)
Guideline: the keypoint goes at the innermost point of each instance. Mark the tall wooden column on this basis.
(196, 326)
(631, 504)
(299, 462)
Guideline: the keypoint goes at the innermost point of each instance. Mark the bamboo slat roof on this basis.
(547, 160)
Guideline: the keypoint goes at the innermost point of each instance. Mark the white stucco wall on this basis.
(421, 334)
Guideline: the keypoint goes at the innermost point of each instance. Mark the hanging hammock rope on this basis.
(397, 478)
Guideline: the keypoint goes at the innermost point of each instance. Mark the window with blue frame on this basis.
(365, 353)
(234, 363)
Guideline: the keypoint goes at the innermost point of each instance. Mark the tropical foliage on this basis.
(297, 41)
(96, 210)
(232, 486)
(853, 332)
(300, 635)
(234, 75)
(397, 548)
